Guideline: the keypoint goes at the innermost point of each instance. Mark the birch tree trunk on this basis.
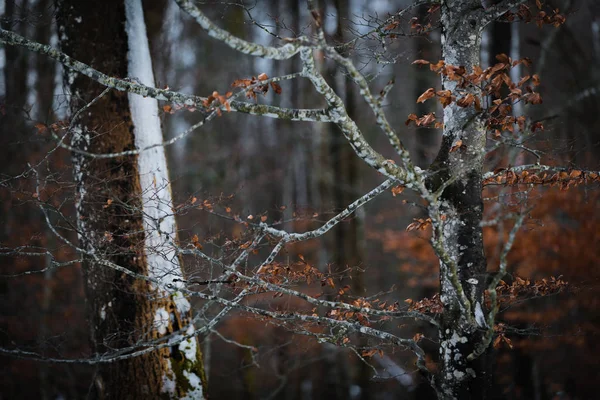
(462, 271)
(124, 210)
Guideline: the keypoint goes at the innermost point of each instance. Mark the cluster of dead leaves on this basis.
(372, 352)
(471, 87)
(563, 179)
(520, 288)
(500, 332)
(342, 314)
(172, 109)
(423, 26)
(424, 121)
(541, 17)
(55, 127)
(298, 272)
(417, 26)
(347, 315)
(361, 318)
(427, 305)
(419, 224)
(396, 190)
(254, 86)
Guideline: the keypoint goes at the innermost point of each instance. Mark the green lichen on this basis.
(180, 364)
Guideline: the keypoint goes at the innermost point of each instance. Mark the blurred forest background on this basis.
(301, 173)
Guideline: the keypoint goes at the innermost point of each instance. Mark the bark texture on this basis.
(464, 373)
(122, 310)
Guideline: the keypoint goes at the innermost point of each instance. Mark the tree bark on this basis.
(463, 262)
(111, 201)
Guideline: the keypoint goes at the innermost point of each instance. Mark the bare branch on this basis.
(126, 85)
(487, 339)
(275, 53)
(487, 15)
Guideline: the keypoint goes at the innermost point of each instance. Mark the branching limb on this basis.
(385, 91)
(287, 237)
(130, 86)
(379, 29)
(537, 168)
(487, 339)
(373, 103)
(489, 14)
(352, 133)
(253, 49)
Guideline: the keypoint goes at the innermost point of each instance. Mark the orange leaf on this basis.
(196, 242)
(478, 107)
(368, 353)
(497, 341)
(438, 66)
(391, 26)
(445, 97)
(411, 117)
(396, 190)
(466, 101)
(41, 128)
(241, 83)
(503, 58)
(276, 87)
(575, 174)
(457, 145)
(429, 93)
(523, 80)
(426, 119)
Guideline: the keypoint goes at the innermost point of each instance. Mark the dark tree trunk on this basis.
(122, 310)
(464, 373)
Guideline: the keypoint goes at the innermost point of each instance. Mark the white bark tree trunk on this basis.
(159, 223)
(124, 212)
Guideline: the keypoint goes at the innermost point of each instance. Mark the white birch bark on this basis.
(157, 203)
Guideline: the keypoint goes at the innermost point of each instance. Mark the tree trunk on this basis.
(463, 264)
(121, 205)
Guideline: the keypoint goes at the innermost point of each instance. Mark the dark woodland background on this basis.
(300, 173)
